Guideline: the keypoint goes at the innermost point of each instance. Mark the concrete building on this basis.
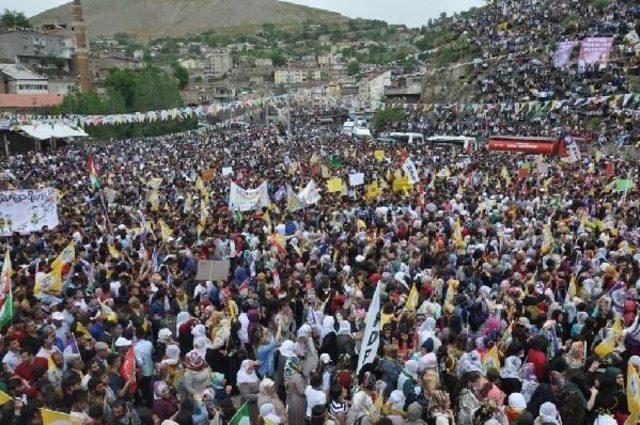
(18, 79)
(218, 63)
(62, 86)
(405, 89)
(38, 49)
(372, 87)
(296, 75)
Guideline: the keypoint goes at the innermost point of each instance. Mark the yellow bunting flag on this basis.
(379, 155)
(505, 175)
(4, 398)
(113, 251)
(50, 283)
(165, 231)
(372, 190)
(633, 389)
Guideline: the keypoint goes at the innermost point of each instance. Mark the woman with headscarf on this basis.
(548, 415)
(470, 385)
(529, 381)
(581, 319)
(307, 348)
(268, 415)
(408, 379)
(165, 405)
(248, 385)
(220, 333)
(328, 338)
(362, 411)
(197, 376)
(169, 367)
(394, 407)
(294, 386)
(268, 395)
(265, 353)
(345, 342)
(428, 330)
(471, 362)
(516, 406)
(286, 351)
(509, 380)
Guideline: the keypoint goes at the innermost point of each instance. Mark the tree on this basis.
(181, 74)
(14, 19)
(385, 117)
(278, 58)
(353, 68)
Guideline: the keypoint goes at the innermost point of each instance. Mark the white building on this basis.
(218, 63)
(18, 79)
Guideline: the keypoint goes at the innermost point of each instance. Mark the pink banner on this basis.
(596, 50)
(563, 53)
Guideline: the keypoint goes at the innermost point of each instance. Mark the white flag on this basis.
(410, 170)
(371, 338)
(310, 194)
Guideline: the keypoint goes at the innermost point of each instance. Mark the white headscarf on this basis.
(471, 362)
(244, 376)
(327, 326)
(549, 413)
(181, 319)
(397, 399)
(517, 401)
(172, 353)
(287, 348)
(268, 413)
(511, 367)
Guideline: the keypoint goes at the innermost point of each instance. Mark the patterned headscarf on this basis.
(292, 365)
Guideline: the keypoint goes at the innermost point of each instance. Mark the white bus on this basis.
(468, 144)
(407, 138)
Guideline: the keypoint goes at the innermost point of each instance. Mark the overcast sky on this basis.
(409, 12)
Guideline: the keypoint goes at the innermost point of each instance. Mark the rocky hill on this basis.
(150, 19)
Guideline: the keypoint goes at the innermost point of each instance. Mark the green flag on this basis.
(335, 161)
(623, 185)
(242, 416)
(555, 201)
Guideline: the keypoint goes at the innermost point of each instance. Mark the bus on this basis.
(530, 145)
(468, 144)
(407, 138)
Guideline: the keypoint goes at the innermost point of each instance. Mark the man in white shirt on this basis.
(143, 350)
(12, 359)
(315, 396)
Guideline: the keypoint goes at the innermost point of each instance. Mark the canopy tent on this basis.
(56, 131)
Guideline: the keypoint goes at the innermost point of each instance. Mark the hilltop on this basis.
(150, 19)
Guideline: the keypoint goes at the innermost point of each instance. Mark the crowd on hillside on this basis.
(500, 288)
(518, 40)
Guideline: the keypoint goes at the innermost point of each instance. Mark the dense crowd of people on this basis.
(497, 287)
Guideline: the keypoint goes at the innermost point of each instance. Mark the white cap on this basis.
(122, 342)
(325, 358)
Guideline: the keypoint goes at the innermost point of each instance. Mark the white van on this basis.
(347, 128)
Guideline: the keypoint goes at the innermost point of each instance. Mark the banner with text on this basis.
(595, 50)
(26, 211)
(248, 199)
(563, 53)
(371, 337)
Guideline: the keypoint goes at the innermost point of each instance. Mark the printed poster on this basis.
(27, 211)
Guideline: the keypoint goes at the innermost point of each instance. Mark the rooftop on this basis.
(25, 101)
(19, 72)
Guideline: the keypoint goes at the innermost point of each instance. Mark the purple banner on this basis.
(595, 50)
(563, 53)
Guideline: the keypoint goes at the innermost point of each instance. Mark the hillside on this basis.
(150, 19)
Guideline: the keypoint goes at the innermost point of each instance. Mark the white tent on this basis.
(56, 131)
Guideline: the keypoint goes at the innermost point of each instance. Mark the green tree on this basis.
(353, 68)
(14, 19)
(181, 74)
(278, 58)
(385, 117)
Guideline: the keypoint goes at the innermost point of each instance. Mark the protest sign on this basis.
(563, 53)
(356, 179)
(26, 211)
(248, 199)
(595, 50)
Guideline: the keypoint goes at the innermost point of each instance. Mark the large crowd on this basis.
(499, 289)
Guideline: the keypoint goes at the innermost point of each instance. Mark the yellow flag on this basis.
(548, 239)
(361, 224)
(325, 172)
(4, 398)
(200, 229)
(572, 290)
(412, 299)
(599, 156)
(505, 175)
(491, 358)
(154, 183)
(293, 168)
(154, 199)
(632, 419)
(457, 234)
(165, 231)
(314, 159)
(372, 191)
(107, 312)
(113, 251)
(51, 417)
(203, 215)
(198, 184)
(401, 184)
(545, 184)
(51, 282)
(80, 328)
(379, 155)
(335, 185)
(633, 389)
(266, 217)
(67, 256)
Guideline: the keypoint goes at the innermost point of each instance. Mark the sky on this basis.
(409, 12)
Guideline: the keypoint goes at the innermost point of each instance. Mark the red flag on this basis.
(128, 368)
(610, 169)
(523, 173)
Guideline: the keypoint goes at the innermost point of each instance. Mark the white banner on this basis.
(356, 179)
(248, 199)
(26, 211)
(371, 338)
(310, 194)
(411, 171)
